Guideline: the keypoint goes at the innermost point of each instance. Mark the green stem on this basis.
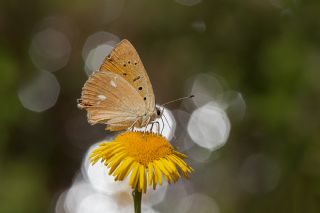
(137, 200)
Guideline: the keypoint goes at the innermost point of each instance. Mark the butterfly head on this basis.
(159, 111)
(149, 117)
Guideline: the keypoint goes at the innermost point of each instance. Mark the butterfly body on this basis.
(120, 94)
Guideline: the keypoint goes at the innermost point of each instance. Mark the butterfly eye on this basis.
(158, 112)
(124, 74)
(140, 88)
(144, 98)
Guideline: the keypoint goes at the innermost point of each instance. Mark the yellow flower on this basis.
(146, 156)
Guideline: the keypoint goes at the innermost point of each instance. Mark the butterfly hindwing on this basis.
(110, 99)
(125, 61)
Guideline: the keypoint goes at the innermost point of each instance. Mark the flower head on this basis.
(146, 156)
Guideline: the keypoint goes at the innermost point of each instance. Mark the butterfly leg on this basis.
(146, 128)
(157, 124)
(151, 128)
(134, 123)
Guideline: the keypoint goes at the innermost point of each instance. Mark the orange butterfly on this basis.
(120, 93)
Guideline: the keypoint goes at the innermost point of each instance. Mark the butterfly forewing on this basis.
(125, 61)
(110, 99)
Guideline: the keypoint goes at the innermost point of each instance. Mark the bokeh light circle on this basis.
(76, 194)
(41, 93)
(50, 49)
(197, 203)
(209, 126)
(98, 176)
(259, 174)
(206, 88)
(96, 48)
(96, 57)
(234, 104)
(97, 203)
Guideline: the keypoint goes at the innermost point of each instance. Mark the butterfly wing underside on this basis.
(110, 99)
(125, 61)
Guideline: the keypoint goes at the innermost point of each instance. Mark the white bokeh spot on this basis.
(209, 126)
(96, 49)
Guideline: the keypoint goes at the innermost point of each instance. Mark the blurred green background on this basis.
(268, 50)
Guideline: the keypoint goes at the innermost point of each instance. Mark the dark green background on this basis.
(269, 53)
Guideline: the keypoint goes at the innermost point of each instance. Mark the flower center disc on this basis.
(145, 148)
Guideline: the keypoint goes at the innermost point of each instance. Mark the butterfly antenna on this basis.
(179, 99)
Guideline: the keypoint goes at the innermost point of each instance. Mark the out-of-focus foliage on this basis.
(267, 50)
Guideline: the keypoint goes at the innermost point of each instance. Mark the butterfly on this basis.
(120, 93)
